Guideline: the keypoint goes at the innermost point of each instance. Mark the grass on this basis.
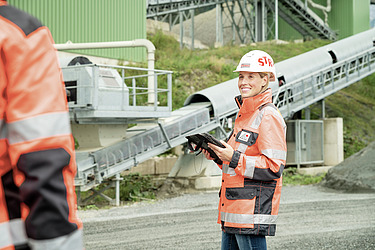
(134, 187)
(194, 70)
(291, 177)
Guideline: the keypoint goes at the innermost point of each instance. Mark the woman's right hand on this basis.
(207, 154)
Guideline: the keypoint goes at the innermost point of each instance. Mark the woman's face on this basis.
(250, 83)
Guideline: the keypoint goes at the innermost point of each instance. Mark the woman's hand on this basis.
(225, 154)
(207, 154)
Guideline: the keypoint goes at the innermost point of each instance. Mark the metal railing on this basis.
(157, 8)
(94, 167)
(97, 91)
(305, 91)
(138, 85)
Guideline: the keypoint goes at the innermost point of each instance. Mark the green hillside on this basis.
(198, 69)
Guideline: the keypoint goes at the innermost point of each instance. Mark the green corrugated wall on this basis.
(125, 20)
(347, 17)
(82, 21)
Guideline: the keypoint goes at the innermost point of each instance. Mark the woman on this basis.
(253, 159)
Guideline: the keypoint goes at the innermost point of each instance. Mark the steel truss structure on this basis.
(251, 20)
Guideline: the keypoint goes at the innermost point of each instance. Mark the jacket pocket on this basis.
(245, 193)
(265, 191)
(239, 204)
(266, 197)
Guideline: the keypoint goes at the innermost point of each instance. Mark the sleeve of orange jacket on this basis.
(270, 162)
(40, 142)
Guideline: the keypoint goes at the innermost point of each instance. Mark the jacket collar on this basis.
(250, 104)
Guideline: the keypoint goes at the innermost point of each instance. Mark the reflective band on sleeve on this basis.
(280, 117)
(5, 238)
(3, 129)
(275, 154)
(242, 148)
(258, 120)
(18, 231)
(249, 218)
(67, 242)
(250, 166)
(38, 127)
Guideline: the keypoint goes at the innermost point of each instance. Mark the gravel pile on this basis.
(355, 174)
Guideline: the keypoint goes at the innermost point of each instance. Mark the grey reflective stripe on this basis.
(228, 170)
(225, 168)
(42, 126)
(275, 154)
(3, 129)
(277, 114)
(249, 218)
(258, 120)
(18, 231)
(5, 236)
(250, 166)
(66, 242)
(242, 148)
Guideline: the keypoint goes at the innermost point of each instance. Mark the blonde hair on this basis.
(262, 75)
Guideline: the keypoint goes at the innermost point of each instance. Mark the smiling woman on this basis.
(250, 84)
(253, 159)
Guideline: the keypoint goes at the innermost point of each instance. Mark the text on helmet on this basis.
(265, 61)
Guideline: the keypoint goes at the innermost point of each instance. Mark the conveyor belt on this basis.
(305, 79)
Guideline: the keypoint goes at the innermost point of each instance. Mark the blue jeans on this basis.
(243, 242)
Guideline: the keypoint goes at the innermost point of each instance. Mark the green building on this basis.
(346, 18)
(83, 21)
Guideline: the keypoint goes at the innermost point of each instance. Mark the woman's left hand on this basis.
(225, 154)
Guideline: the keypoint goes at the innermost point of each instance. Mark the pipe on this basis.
(322, 8)
(276, 20)
(122, 44)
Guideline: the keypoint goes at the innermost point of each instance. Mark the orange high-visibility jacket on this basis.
(37, 160)
(251, 181)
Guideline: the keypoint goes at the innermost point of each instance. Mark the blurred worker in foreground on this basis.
(37, 161)
(253, 160)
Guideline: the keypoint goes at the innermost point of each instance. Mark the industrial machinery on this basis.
(306, 79)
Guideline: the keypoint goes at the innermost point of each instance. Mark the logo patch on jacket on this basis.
(244, 136)
(247, 137)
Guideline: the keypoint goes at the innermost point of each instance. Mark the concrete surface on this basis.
(333, 141)
(317, 170)
(310, 217)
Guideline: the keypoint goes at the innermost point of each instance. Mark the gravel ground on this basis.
(310, 217)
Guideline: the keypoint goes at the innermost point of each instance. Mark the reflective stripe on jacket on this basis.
(251, 182)
(37, 159)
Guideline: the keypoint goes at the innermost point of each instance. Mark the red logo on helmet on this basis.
(265, 61)
(245, 65)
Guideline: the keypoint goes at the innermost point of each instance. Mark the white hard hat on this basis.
(257, 61)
